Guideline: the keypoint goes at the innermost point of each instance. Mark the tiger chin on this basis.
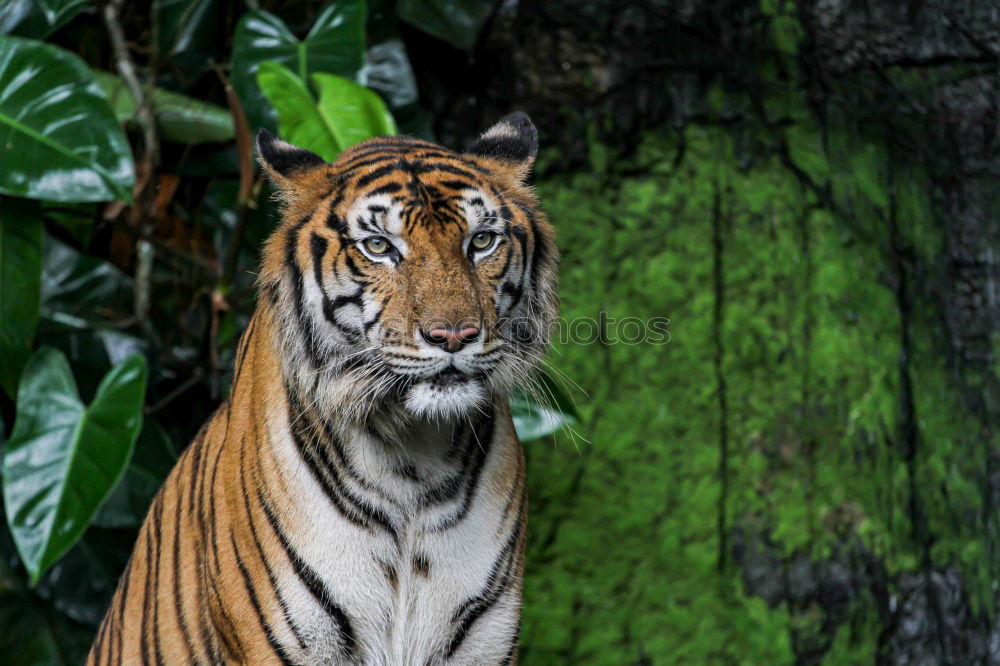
(360, 498)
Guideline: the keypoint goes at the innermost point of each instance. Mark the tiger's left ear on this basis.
(511, 143)
(281, 160)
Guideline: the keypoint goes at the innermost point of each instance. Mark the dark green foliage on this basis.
(67, 144)
(456, 21)
(63, 458)
(335, 44)
(20, 286)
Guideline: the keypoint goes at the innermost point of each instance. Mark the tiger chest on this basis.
(416, 582)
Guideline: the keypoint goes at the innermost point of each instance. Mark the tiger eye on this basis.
(483, 240)
(377, 245)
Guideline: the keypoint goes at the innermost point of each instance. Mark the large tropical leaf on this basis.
(186, 25)
(387, 69)
(37, 18)
(536, 416)
(63, 458)
(178, 117)
(533, 420)
(335, 44)
(455, 21)
(299, 118)
(20, 285)
(79, 290)
(61, 141)
(353, 112)
(345, 114)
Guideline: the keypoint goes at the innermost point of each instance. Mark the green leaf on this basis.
(335, 44)
(534, 421)
(186, 25)
(561, 401)
(37, 18)
(54, 117)
(20, 285)
(345, 114)
(64, 458)
(152, 461)
(178, 117)
(457, 22)
(78, 289)
(354, 112)
(387, 69)
(299, 117)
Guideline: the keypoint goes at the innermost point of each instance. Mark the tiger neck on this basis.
(388, 447)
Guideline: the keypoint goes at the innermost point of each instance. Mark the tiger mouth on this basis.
(449, 377)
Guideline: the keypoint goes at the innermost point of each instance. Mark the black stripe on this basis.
(394, 148)
(375, 174)
(388, 188)
(331, 440)
(336, 223)
(497, 583)
(157, 524)
(539, 251)
(235, 650)
(515, 292)
(212, 522)
(367, 326)
(248, 583)
(148, 598)
(177, 583)
(462, 173)
(197, 452)
(506, 266)
(245, 345)
(356, 272)
(126, 577)
(512, 650)
(312, 581)
(355, 510)
(328, 489)
(319, 245)
(102, 636)
(260, 548)
(305, 322)
(450, 487)
(369, 512)
(197, 504)
(481, 443)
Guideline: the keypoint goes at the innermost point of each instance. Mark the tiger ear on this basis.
(281, 160)
(512, 142)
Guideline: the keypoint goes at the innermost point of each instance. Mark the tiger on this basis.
(360, 497)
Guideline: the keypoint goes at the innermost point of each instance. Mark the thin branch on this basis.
(146, 164)
(246, 198)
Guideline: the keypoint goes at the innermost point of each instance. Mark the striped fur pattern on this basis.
(360, 498)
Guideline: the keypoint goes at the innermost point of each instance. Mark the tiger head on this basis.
(409, 276)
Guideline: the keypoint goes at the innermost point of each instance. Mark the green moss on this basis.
(624, 548)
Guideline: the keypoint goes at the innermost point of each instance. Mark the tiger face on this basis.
(410, 276)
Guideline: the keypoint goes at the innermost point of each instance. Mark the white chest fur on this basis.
(415, 543)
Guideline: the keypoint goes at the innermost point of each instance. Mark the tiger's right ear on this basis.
(281, 160)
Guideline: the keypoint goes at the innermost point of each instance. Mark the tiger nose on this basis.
(450, 339)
